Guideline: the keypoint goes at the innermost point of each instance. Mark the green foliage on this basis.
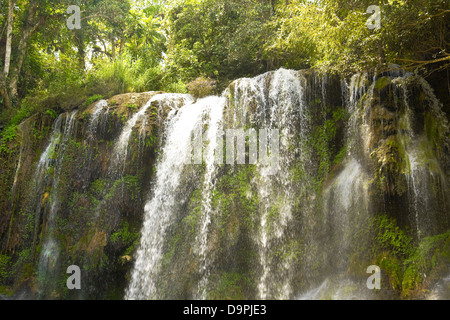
(8, 135)
(92, 99)
(125, 237)
(406, 263)
(323, 144)
(332, 35)
(340, 156)
(432, 256)
(391, 237)
(219, 39)
(52, 113)
(164, 47)
(425, 254)
(4, 266)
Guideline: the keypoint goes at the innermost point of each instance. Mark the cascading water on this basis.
(280, 108)
(344, 204)
(121, 146)
(160, 210)
(50, 248)
(441, 290)
(41, 173)
(213, 107)
(95, 117)
(421, 159)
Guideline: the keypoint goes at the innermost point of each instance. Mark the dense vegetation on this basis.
(136, 46)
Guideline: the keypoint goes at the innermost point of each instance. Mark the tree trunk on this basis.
(4, 89)
(29, 27)
(121, 47)
(81, 52)
(9, 30)
(113, 48)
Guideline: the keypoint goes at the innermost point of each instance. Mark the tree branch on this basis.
(425, 62)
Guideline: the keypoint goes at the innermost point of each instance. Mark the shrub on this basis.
(201, 87)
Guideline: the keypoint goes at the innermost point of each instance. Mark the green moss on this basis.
(274, 213)
(340, 155)
(382, 82)
(150, 141)
(133, 186)
(392, 238)
(192, 219)
(405, 264)
(291, 250)
(23, 267)
(393, 267)
(435, 133)
(125, 236)
(131, 183)
(98, 186)
(323, 144)
(411, 280)
(132, 106)
(172, 246)
(229, 287)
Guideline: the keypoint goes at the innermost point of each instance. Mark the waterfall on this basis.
(94, 120)
(346, 205)
(212, 106)
(280, 107)
(441, 290)
(423, 167)
(121, 146)
(56, 148)
(160, 210)
(323, 177)
(337, 289)
(41, 173)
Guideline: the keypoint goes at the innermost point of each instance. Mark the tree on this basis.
(9, 77)
(220, 39)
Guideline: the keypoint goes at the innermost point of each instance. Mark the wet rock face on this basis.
(91, 212)
(362, 179)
